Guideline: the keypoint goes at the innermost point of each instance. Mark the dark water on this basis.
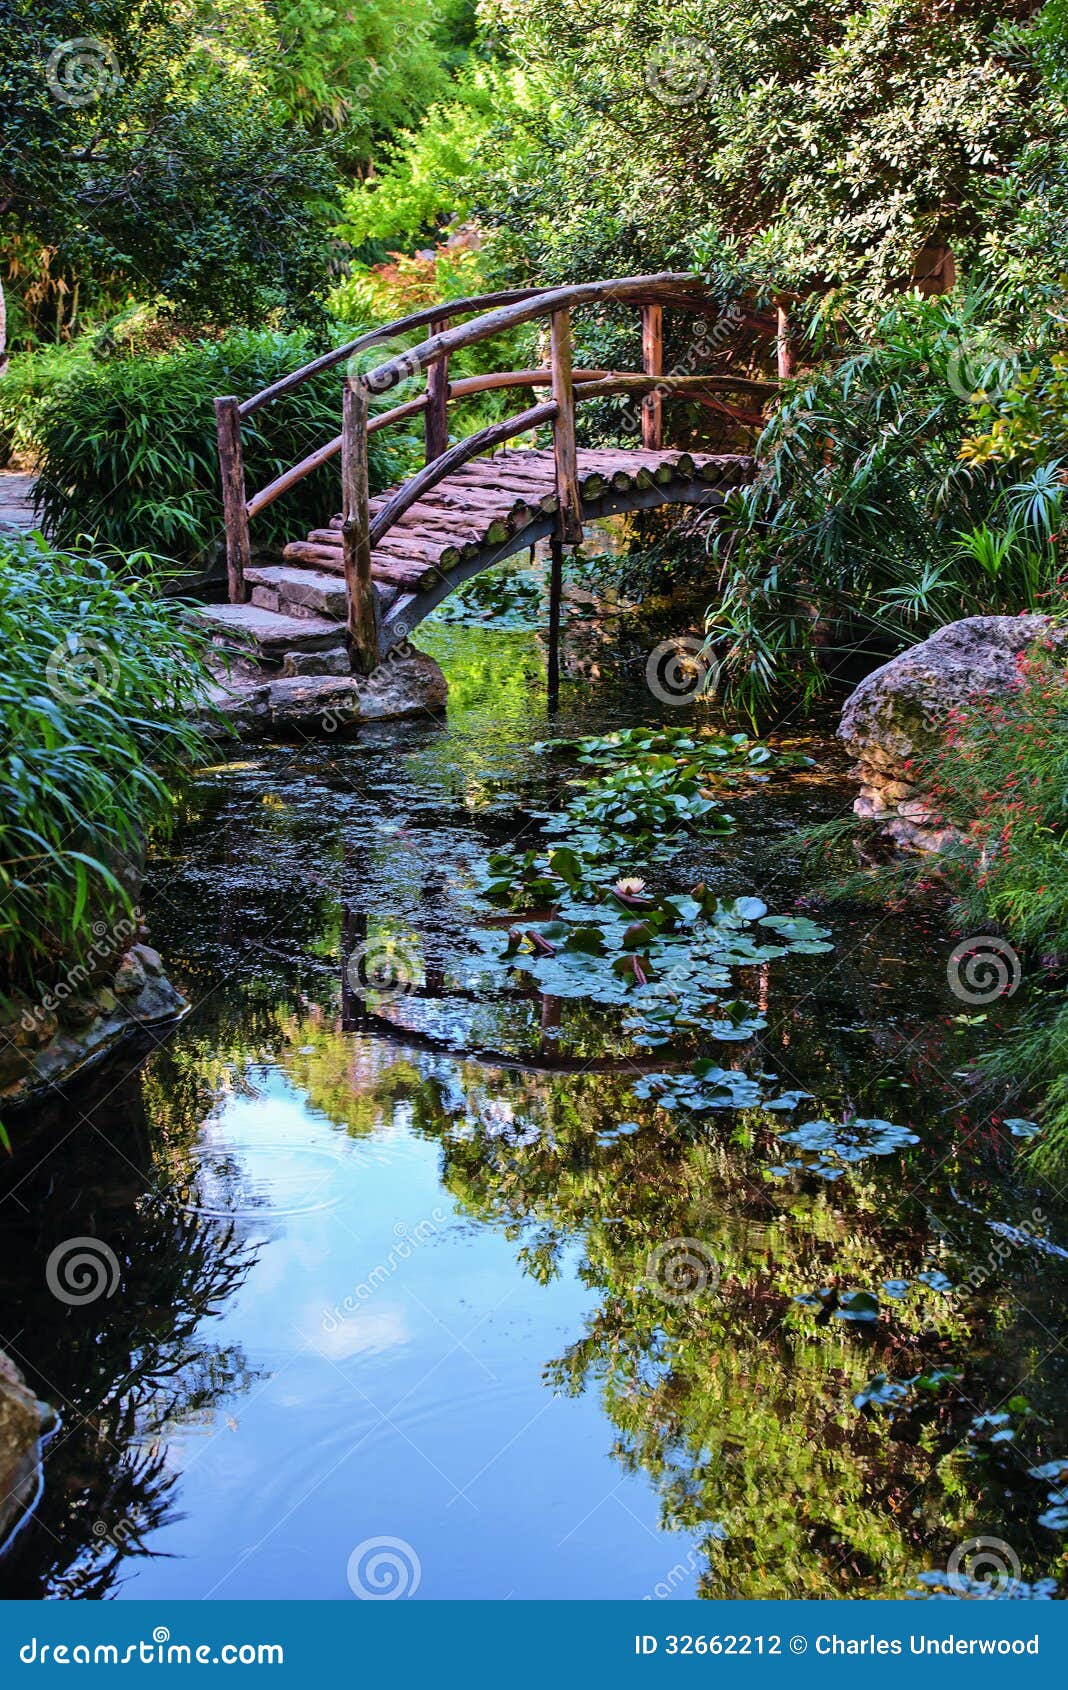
(387, 1278)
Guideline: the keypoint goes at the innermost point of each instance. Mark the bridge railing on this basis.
(491, 315)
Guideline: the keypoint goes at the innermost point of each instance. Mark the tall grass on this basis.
(865, 524)
(1000, 777)
(97, 677)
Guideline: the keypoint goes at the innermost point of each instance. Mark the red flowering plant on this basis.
(1000, 779)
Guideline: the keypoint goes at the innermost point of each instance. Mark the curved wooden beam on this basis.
(375, 337)
(665, 288)
(668, 287)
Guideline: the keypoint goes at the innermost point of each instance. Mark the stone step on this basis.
(272, 635)
(298, 592)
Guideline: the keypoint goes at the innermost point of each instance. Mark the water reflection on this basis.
(391, 1261)
(124, 1373)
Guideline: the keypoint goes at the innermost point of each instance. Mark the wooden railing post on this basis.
(232, 476)
(356, 529)
(653, 365)
(437, 401)
(569, 518)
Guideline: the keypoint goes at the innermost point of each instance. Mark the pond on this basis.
(432, 1292)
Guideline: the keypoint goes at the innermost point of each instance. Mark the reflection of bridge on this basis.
(384, 563)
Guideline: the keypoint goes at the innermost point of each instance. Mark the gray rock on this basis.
(235, 709)
(20, 1446)
(251, 627)
(316, 663)
(897, 715)
(300, 592)
(87, 1028)
(129, 975)
(314, 703)
(148, 957)
(897, 711)
(317, 694)
(408, 683)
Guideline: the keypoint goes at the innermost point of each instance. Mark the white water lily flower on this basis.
(629, 888)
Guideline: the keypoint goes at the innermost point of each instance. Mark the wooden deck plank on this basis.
(478, 514)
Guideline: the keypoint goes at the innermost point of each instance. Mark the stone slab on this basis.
(273, 635)
(308, 589)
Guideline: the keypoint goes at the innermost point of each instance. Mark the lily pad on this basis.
(859, 1306)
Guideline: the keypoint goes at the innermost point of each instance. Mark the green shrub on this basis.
(128, 453)
(864, 525)
(98, 672)
(1025, 422)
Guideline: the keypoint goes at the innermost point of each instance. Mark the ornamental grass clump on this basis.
(98, 679)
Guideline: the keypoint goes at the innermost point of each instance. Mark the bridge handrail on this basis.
(386, 331)
(468, 386)
(494, 314)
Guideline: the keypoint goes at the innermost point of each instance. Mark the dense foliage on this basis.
(143, 151)
(1001, 781)
(864, 527)
(788, 147)
(127, 444)
(98, 675)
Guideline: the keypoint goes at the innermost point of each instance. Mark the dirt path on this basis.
(16, 501)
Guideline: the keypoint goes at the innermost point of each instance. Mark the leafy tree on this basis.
(784, 147)
(426, 175)
(365, 70)
(143, 147)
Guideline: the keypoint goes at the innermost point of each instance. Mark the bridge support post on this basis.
(569, 518)
(232, 476)
(356, 530)
(653, 365)
(437, 401)
(556, 576)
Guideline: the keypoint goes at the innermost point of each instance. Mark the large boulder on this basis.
(898, 713)
(21, 1419)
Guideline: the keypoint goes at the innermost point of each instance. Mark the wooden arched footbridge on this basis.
(381, 565)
